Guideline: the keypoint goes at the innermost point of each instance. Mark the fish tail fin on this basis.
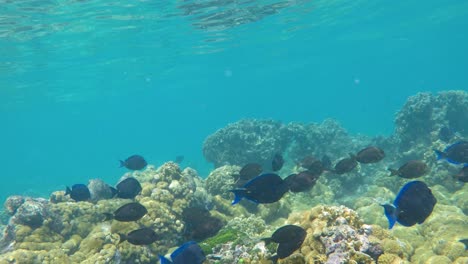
(238, 195)
(390, 213)
(108, 216)
(267, 240)
(392, 171)
(465, 242)
(114, 191)
(122, 163)
(274, 258)
(351, 155)
(440, 155)
(164, 260)
(67, 191)
(122, 238)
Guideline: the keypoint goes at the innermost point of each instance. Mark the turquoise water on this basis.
(86, 83)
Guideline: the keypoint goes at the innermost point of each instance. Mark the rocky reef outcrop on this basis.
(245, 141)
(252, 140)
(423, 116)
(319, 139)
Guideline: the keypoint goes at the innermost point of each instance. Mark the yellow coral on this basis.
(389, 258)
(462, 260)
(438, 260)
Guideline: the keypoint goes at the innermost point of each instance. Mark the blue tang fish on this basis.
(463, 174)
(128, 188)
(289, 239)
(277, 162)
(456, 153)
(413, 204)
(78, 192)
(189, 253)
(265, 188)
(134, 162)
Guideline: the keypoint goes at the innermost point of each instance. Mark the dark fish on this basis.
(346, 165)
(312, 164)
(250, 171)
(289, 238)
(135, 162)
(199, 224)
(265, 188)
(411, 169)
(277, 162)
(128, 188)
(413, 204)
(78, 192)
(287, 234)
(113, 191)
(370, 155)
(463, 175)
(128, 212)
(306, 161)
(456, 153)
(327, 163)
(143, 236)
(446, 133)
(302, 181)
(189, 253)
(179, 159)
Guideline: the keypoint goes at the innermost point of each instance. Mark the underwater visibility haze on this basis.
(134, 123)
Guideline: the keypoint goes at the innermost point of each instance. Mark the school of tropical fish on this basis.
(412, 205)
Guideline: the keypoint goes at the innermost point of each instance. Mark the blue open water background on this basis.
(86, 83)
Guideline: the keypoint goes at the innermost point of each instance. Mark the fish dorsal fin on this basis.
(259, 177)
(181, 249)
(456, 144)
(404, 189)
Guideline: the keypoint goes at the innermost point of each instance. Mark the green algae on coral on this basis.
(223, 236)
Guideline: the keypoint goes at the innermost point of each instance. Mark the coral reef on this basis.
(341, 213)
(27, 211)
(221, 181)
(252, 140)
(337, 235)
(42, 231)
(327, 138)
(334, 235)
(99, 190)
(236, 240)
(246, 141)
(423, 115)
